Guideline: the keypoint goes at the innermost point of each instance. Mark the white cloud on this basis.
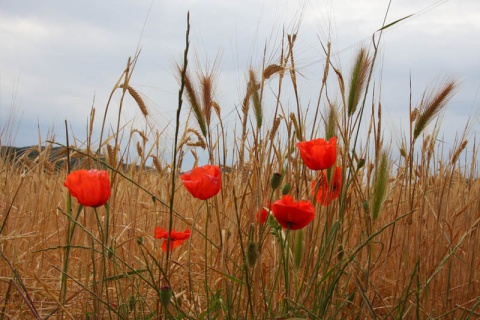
(63, 53)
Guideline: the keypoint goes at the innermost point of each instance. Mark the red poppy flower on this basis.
(291, 214)
(318, 154)
(203, 182)
(261, 216)
(327, 191)
(176, 238)
(90, 187)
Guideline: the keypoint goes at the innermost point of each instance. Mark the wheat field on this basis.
(399, 241)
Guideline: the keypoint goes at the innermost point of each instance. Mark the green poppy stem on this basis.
(285, 270)
(207, 296)
(71, 224)
(104, 242)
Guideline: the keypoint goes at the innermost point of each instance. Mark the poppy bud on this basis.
(165, 295)
(131, 303)
(252, 253)
(341, 252)
(360, 163)
(286, 188)
(111, 250)
(366, 206)
(276, 180)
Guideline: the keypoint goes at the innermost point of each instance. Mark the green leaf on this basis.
(394, 22)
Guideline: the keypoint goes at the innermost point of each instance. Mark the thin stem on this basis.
(205, 282)
(71, 224)
(175, 143)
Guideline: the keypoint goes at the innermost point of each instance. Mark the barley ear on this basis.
(331, 122)
(459, 150)
(276, 124)
(432, 105)
(380, 186)
(271, 70)
(257, 104)
(358, 80)
(207, 87)
(138, 99)
(194, 104)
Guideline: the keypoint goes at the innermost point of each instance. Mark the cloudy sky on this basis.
(58, 58)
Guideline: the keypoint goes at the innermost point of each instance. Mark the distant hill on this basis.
(54, 157)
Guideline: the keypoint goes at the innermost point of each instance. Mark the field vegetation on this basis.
(394, 232)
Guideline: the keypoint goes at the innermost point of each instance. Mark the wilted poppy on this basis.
(176, 238)
(90, 187)
(291, 214)
(203, 182)
(318, 154)
(327, 191)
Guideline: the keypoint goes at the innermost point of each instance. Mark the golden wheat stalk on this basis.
(194, 104)
(276, 124)
(140, 150)
(157, 164)
(459, 150)
(138, 99)
(207, 87)
(271, 70)
(257, 104)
